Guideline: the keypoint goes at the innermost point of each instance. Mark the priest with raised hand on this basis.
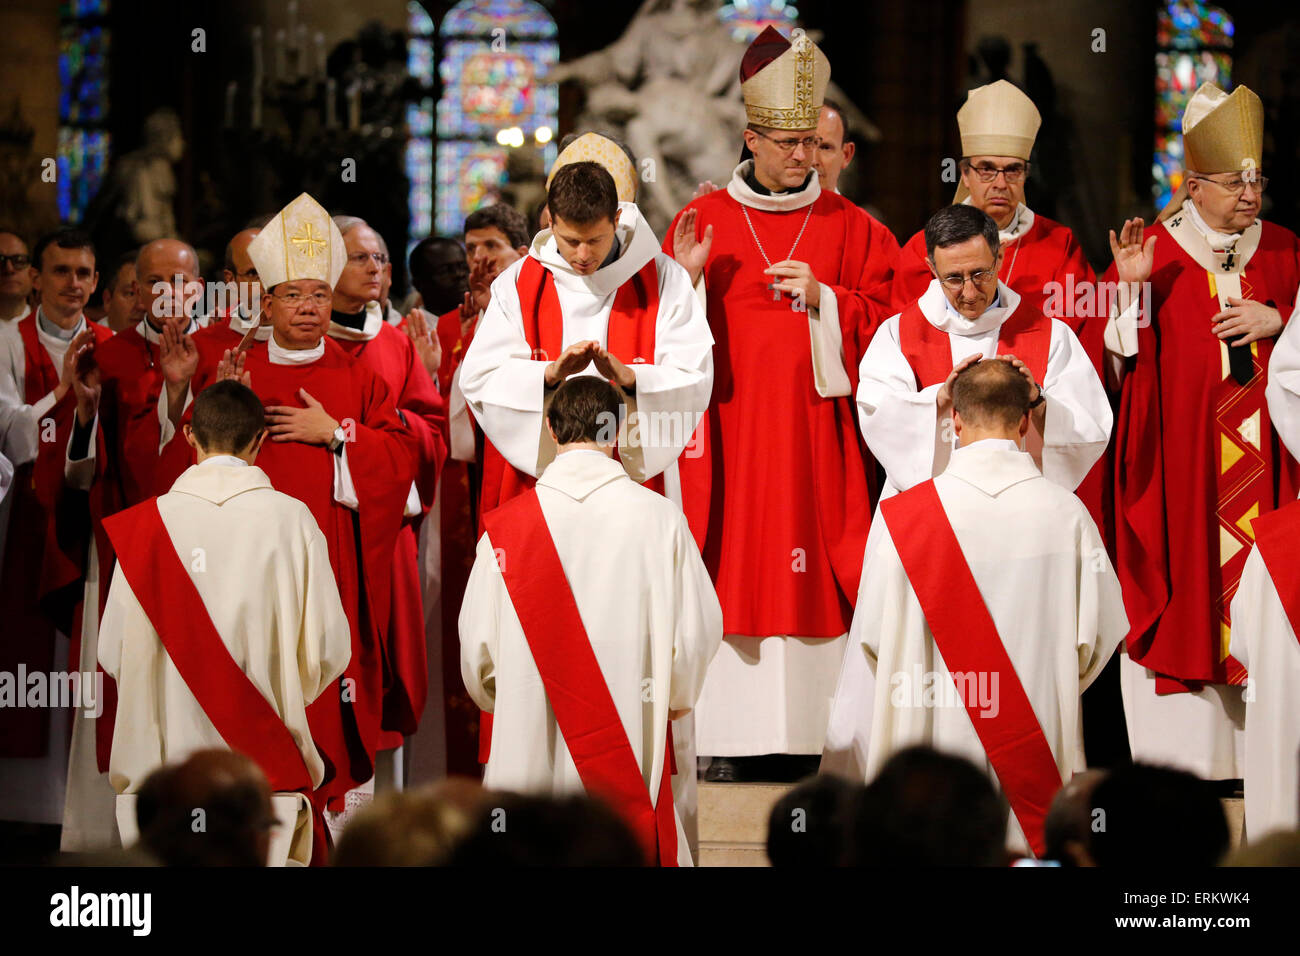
(1197, 458)
(586, 645)
(796, 280)
(337, 444)
(223, 621)
(988, 605)
(967, 313)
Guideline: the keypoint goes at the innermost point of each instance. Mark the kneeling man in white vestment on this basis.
(987, 606)
(587, 625)
(223, 619)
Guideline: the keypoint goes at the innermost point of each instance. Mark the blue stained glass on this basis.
(519, 18)
(418, 21)
(82, 162)
(468, 174)
(748, 18)
(419, 60)
(83, 148)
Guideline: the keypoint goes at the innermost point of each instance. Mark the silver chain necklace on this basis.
(776, 293)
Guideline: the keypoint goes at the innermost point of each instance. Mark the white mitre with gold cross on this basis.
(300, 242)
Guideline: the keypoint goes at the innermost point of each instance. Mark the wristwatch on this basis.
(336, 441)
(1042, 397)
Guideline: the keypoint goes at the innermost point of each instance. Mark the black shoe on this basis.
(722, 770)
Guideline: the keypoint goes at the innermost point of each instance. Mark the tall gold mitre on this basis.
(1222, 133)
(594, 148)
(783, 83)
(996, 120)
(300, 242)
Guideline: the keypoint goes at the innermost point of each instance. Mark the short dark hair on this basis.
(810, 824)
(109, 278)
(65, 238)
(927, 808)
(227, 417)
(573, 830)
(422, 256)
(584, 408)
(1157, 816)
(6, 231)
(582, 193)
(990, 392)
(958, 223)
(501, 216)
(830, 104)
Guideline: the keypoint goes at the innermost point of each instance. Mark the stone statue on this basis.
(147, 183)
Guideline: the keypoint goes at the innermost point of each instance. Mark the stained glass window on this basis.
(1193, 46)
(748, 18)
(83, 145)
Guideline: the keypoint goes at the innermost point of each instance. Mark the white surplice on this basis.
(1265, 643)
(261, 566)
(1283, 388)
(503, 385)
(1041, 568)
(649, 610)
(902, 426)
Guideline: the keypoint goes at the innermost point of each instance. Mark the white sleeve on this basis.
(166, 429)
(325, 642)
(673, 393)
(830, 376)
(1103, 622)
(697, 617)
(1078, 414)
(480, 626)
(1249, 604)
(899, 423)
(503, 385)
(1283, 389)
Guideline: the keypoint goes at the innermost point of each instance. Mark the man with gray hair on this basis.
(980, 642)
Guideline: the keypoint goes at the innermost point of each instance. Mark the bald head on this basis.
(991, 395)
(157, 266)
(238, 262)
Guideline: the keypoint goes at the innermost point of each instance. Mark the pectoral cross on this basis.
(776, 293)
(1232, 257)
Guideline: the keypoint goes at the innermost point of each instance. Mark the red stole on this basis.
(630, 337)
(167, 595)
(1278, 541)
(968, 639)
(1026, 334)
(575, 686)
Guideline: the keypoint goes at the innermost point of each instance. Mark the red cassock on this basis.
(392, 357)
(43, 575)
(1196, 460)
(1048, 253)
(782, 497)
(382, 455)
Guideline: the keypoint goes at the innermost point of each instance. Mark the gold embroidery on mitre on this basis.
(307, 241)
(788, 92)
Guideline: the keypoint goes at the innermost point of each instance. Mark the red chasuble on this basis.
(630, 337)
(1196, 460)
(41, 585)
(1277, 536)
(968, 640)
(575, 687)
(1048, 253)
(345, 719)
(1026, 334)
(786, 479)
(392, 357)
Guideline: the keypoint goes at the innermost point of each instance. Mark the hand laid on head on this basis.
(311, 425)
(944, 397)
(1034, 388)
(573, 359)
(691, 254)
(796, 278)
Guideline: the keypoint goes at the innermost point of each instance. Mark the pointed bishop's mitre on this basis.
(996, 120)
(783, 83)
(1222, 133)
(300, 242)
(594, 148)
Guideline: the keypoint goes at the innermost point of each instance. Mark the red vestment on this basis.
(42, 576)
(786, 477)
(345, 719)
(1196, 458)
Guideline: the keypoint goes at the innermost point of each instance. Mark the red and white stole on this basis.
(968, 639)
(1026, 334)
(244, 718)
(575, 686)
(1278, 543)
(630, 337)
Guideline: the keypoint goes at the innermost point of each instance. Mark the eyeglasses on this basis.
(357, 258)
(955, 282)
(296, 300)
(1237, 186)
(787, 146)
(1014, 173)
(18, 261)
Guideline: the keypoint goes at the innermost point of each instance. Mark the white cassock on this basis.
(648, 607)
(902, 426)
(1042, 570)
(503, 385)
(1266, 644)
(269, 589)
(903, 431)
(1283, 388)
